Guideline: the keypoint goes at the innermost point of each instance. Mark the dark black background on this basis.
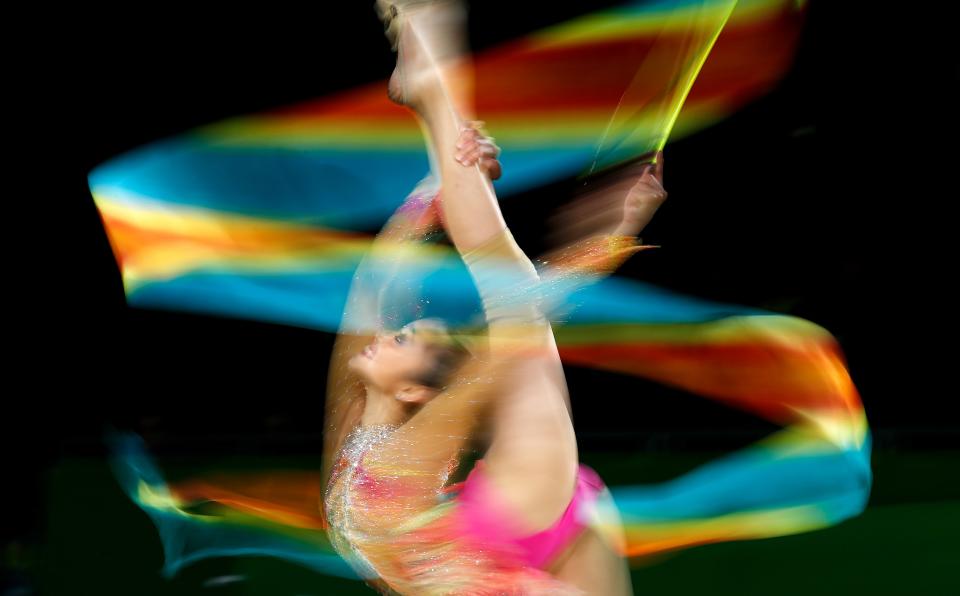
(820, 200)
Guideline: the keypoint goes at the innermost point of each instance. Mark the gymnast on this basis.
(403, 405)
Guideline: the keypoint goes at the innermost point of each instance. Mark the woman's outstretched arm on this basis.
(411, 223)
(599, 231)
(409, 227)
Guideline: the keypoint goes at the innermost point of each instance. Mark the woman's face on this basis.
(396, 359)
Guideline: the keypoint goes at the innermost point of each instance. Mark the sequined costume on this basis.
(352, 492)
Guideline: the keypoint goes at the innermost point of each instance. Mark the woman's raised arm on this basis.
(362, 318)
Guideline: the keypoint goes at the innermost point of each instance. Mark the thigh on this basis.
(595, 566)
(532, 458)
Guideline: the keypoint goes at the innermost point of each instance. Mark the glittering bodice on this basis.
(365, 507)
(347, 498)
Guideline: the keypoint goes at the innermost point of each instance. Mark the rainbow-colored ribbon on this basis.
(258, 217)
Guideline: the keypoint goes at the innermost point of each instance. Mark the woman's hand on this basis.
(643, 199)
(474, 148)
(621, 203)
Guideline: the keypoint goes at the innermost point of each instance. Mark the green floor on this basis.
(906, 542)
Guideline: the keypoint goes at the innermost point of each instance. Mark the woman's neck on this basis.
(381, 408)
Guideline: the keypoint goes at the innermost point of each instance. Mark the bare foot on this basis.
(429, 38)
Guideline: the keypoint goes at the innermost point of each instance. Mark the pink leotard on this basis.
(484, 519)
